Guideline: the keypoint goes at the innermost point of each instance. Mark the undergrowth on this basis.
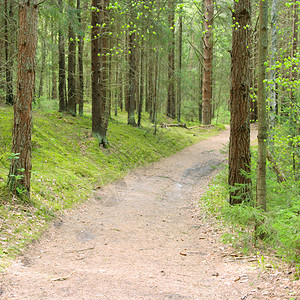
(67, 164)
(279, 225)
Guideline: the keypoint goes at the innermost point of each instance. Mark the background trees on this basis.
(157, 58)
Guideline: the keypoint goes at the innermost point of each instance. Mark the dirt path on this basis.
(143, 238)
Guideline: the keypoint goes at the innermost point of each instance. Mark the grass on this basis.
(67, 164)
(279, 226)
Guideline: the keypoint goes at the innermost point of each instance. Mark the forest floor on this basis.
(145, 237)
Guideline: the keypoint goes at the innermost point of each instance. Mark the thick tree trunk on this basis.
(8, 15)
(99, 71)
(71, 105)
(239, 146)
(20, 167)
(261, 188)
(207, 63)
(62, 69)
(171, 105)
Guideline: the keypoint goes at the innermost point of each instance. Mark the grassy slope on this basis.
(68, 164)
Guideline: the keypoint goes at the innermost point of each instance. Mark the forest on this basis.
(97, 72)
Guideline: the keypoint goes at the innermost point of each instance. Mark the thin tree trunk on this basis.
(132, 79)
(62, 68)
(207, 63)
(179, 69)
(273, 94)
(53, 69)
(140, 107)
(171, 105)
(8, 15)
(71, 105)
(261, 99)
(239, 145)
(294, 73)
(43, 59)
(80, 61)
(20, 167)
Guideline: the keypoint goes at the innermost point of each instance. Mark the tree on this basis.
(171, 105)
(207, 63)
(261, 100)
(80, 60)
(20, 167)
(273, 95)
(99, 70)
(8, 15)
(62, 68)
(71, 105)
(179, 68)
(132, 78)
(239, 146)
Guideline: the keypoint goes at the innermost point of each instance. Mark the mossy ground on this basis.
(67, 164)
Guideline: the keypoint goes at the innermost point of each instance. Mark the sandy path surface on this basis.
(143, 238)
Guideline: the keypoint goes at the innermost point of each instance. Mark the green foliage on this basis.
(279, 227)
(67, 163)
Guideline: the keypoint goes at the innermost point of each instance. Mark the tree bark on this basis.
(80, 61)
(261, 188)
(54, 62)
(8, 15)
(132, 79)
(179, 68)
(43, 63)
(239, 146)
(207, 63)
(20, 167)
(62, 68)
(71, 105)
(140, 107)
(171, 105)
(99, 71)
(273, 94)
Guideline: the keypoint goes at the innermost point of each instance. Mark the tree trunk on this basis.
(99, 71)
(71, 105)
(171, 105)
(261, 100)
(80, 61)
(294, 74)
(62, 68)
(179, 68)
(239, 146)
(8, 15)
(53, 68)
(140, 107)
(273, 94)
(207, 63)
(20, 167)
(43, 59)
(132, 79)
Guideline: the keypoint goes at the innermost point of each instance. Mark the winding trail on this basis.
(143, 238)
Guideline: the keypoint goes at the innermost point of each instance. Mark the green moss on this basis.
(67, 163)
